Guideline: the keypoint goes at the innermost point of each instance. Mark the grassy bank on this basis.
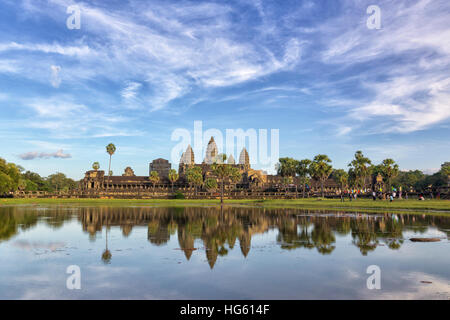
(313, 203)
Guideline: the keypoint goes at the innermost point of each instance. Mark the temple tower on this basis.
(187, 158)
(244, 159)
(211, 152)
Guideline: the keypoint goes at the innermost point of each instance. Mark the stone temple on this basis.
(97, 180)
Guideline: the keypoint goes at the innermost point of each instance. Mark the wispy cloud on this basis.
(172, 47)
(412, 92)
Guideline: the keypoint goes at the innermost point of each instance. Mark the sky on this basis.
(136, 71)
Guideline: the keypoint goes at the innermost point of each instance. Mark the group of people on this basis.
(376, 194)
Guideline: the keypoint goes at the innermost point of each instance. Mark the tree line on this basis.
(14, 178)
(361, 173)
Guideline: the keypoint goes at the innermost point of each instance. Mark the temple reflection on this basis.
(216, 230)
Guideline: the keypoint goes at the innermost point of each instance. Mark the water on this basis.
(208, 253)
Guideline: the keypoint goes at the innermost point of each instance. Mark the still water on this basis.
(209, 253)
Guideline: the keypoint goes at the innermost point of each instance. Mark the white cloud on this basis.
(44, 155)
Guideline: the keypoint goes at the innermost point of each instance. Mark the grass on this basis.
(442, 206)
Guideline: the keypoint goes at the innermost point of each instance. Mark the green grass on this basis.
(442, 206)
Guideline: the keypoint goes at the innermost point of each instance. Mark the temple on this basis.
(251, 179)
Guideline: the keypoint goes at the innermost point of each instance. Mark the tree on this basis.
(35, 182)
(222, 171)
(360, 167)
(110, 149)
(445, 170)
(409, 179)
(106, 255)
(59, 182)
(287, 167)
(154, 178)
(389, 171)
(211, 184)
(194, 177)
(96, 166)
(321, 169)
(173, 177)
(341, 178)
(304, 171)
(286, 182)
(235, 175)
(9, 177)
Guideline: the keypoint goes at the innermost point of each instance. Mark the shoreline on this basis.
(368, 205)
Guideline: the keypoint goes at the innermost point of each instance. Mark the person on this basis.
(350, 196)
(374, 196)
(391, 198)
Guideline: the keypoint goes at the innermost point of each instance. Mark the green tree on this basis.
(110, 149)
(9, 177)
(286, 182)
(154, 178)
(389, 171)
(360, 167)
(341, 178)
(409, 179)
(223, 172)
(321, 169)
(304, 172)
(194, 177)
(59, 182)
(445, 170)
(235, 175)
(173, 177)
(287, 167)
(211, 184)
(96, 166)
(35, 182)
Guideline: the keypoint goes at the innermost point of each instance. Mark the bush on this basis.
(179, 195)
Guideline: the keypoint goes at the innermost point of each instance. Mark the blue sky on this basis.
(137, 70)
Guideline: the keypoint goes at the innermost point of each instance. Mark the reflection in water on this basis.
(219, 230)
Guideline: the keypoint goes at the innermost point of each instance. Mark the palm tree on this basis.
(222, 171)
(286, 182)
(341, 178)
(321, 169)
(173, 177)
(304, 171)
(110, 149)
(389, 170)
(106, 255)
(235, 176)
(211, 184)
(287, 167)
(194, 177)
(445, 169)
(96, 166)
(361, 167)
(154, 178)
